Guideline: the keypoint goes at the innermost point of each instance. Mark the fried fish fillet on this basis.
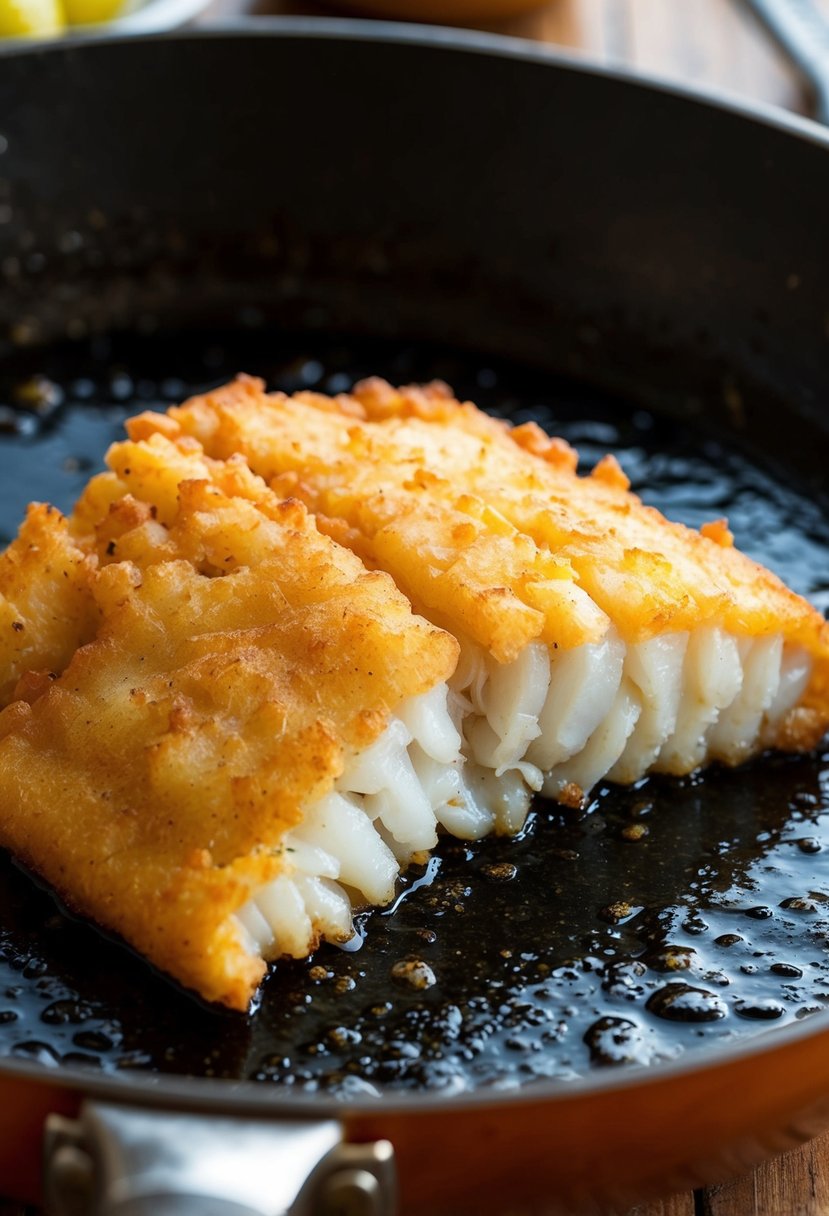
(598, 638)
(246, 745)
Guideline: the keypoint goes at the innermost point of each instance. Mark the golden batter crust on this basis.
(241, 658)
(490, 528)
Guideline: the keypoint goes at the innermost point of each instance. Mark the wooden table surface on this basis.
(710, 43)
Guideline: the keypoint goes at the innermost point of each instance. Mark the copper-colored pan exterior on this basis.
(552, 1148)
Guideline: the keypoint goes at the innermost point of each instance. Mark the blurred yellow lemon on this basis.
(90, 12)
(31, 18)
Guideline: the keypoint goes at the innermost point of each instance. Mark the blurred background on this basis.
(718, 44)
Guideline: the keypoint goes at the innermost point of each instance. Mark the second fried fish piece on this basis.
(598, 638)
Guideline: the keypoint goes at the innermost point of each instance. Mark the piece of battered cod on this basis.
(598, 639)
(224, 767)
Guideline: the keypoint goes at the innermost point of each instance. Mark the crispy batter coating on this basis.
(241, 659)
(449, 550)
(47, 608)
(489, 527)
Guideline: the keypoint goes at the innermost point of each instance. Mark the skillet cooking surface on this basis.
(669, 916)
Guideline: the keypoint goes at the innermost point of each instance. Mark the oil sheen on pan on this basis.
(651, 922)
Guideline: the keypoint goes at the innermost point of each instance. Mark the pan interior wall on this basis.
(622, 235)
(664, 920)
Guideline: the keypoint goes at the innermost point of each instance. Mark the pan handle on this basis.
(801, 30)
(133, 1161)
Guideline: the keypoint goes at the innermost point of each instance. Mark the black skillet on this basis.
(628, 1000)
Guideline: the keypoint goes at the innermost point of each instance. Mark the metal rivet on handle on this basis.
(72, 1177)
(352, 1193)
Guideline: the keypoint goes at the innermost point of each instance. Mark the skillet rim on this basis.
(211, 1095)
(262, 1099)
(451, 38)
